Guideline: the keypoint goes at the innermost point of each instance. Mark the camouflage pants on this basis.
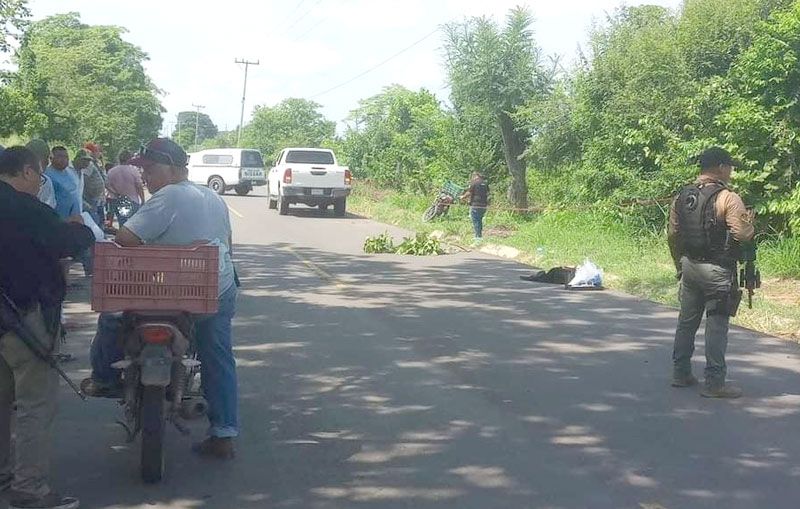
(33, 385)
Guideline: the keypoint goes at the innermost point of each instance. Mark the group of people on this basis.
(45, 206)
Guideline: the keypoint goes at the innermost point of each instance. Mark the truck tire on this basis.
(272, 204)
(153, 424)
(242, 189)
(217, 185)
(283, 205)
(340, 207)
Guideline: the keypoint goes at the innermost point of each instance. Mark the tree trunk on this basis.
(513, 149)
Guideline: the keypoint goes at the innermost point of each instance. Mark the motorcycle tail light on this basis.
(348, 177)
(156, 334)
(287, 176)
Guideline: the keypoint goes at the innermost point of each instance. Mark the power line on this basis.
(296, 39)
(375, 66)
(298, 20)
(296, 8)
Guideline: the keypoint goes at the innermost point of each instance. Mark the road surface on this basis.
(380, 381)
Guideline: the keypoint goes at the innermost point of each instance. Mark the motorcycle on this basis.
(159, 290)
(158, 375)
(441, 206)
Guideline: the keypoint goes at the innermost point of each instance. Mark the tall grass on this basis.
(781, 257)
(635, 260)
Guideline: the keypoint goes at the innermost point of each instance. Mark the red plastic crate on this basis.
(155, 278)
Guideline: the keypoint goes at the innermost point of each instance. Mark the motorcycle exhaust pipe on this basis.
(193, 408)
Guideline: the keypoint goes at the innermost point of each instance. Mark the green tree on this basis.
(223, 139)
(712, 33)
(499, 70)
(18, 113)
(762, 118)
(292, 122)
(391, 137)
(88, 82)
(184, 133)
(16, 109)
(14, 16)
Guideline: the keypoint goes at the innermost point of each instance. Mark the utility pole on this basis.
(247, 64)
(196, 122)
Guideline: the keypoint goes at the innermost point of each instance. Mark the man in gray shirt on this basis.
(181, 213)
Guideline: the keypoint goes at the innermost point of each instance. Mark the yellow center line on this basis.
(235, 212)
(330, 278)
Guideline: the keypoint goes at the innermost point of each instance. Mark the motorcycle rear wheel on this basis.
(431, 213)
(153, 424)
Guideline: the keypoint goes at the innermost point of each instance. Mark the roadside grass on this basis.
(635, 263)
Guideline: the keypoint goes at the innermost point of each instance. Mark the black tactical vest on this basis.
(702, 236)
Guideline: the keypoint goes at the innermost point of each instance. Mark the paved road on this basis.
(387, 382)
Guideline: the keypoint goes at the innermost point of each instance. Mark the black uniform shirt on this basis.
(32, 241)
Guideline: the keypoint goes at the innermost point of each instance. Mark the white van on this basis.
(223, 169)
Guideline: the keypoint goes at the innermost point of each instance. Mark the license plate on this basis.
(317, 192)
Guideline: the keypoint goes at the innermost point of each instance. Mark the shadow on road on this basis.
(452, 383)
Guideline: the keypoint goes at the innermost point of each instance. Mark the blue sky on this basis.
(309, 46)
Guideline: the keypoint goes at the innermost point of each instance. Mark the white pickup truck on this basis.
(310, 176)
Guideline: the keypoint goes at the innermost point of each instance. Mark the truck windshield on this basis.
(309, 157)
(252, 159)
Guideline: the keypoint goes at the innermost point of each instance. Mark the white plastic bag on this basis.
(587, 275)
(88, 221)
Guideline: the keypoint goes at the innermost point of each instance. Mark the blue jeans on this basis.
(476, 214)
(214, 349)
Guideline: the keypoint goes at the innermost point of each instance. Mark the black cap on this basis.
(717, 156)
(160, 150)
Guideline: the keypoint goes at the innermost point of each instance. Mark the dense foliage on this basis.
(193, 129)
(653, 87)
(13, 21)
(290, 123)
(659, 86)
(83, 83)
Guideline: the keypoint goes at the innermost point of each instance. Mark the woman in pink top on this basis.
(125, 181)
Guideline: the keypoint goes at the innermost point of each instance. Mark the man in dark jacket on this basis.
(32, 241)
(707, 224)
(478, 196)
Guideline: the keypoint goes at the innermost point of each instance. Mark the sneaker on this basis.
(684, 381)
(725, 391)
(50, 501)
(216, 448)
(97, 389)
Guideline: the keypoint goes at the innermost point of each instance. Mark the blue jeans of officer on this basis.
(214, 349)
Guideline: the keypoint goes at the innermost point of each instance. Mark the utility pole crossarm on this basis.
(247, 64)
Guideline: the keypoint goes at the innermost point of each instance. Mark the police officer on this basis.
(707, 224)
(32, 241)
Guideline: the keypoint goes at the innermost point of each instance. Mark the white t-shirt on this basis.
(47, 194)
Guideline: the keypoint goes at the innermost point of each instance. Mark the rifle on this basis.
(11, 319)
(749, 275)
